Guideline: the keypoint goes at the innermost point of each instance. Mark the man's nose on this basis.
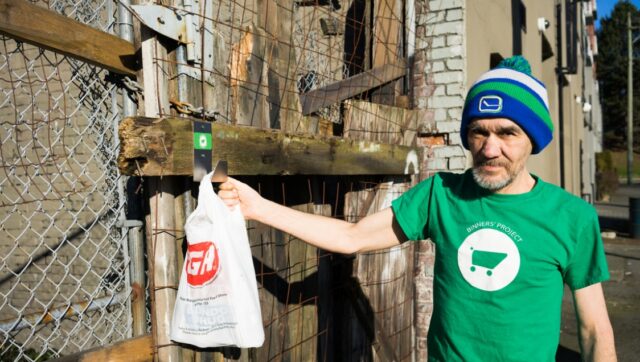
(491, 147)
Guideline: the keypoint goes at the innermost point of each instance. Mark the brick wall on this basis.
(439, 87)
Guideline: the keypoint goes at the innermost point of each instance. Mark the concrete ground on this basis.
(622, 292)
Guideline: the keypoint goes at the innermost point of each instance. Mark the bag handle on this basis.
(211, 201)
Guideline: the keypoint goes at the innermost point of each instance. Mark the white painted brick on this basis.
(422, 103)
(448, 126)
(447, 77)
(454, 138)
(432, 17)
(435, 5)
(455, 64)
(446, 53)
(448, 151)
(440, 115)
(435, 164)
(431, 67)
(457, 163)
(439, 91)
(454, 14)
(438, 42)
(445, 102)
(454, 39)
(455, 113)
(454, 89)
(453, 27)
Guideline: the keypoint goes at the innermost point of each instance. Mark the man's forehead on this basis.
(494, 123)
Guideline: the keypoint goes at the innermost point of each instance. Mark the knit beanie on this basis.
(510, 91)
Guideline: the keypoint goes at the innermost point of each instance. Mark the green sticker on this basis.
(202, 141)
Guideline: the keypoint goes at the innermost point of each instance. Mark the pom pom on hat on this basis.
(516, 62)
(510, 91)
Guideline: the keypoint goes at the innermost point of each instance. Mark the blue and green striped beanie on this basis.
(510, 91)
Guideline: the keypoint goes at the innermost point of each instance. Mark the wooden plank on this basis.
(352, 86)
(137, 349)
(151, 146)
(249, 82)
(385, 279)
(270, 264)
(380, 123)
(284, 100)
(302, 316)
(19, 19)
(387, 45)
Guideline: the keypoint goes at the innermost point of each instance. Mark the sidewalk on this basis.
(622, 292)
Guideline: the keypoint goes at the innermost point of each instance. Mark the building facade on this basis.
(457, 41)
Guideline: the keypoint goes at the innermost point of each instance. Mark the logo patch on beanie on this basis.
(490, 104)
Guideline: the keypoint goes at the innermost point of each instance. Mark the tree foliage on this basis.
(612, 74)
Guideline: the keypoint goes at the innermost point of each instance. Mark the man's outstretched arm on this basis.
(594, 327)
(377, 231)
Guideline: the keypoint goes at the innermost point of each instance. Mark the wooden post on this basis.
(161, 243)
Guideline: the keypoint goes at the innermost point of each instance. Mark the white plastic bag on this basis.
(217, 302)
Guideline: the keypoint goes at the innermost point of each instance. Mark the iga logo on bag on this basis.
(202, 263)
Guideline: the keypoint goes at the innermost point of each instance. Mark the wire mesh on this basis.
(319, 306)
(271, 59)
(63, 263)
(274, 58)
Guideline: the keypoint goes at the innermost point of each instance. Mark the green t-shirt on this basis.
(501, 261)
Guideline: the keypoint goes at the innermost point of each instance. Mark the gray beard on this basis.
(490, 185)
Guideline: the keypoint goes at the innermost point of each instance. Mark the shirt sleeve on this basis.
(411, 210)
(588, 263)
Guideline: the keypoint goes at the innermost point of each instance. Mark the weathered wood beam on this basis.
(352, 86)
(137, 349)
(33, 24)
(164, 146)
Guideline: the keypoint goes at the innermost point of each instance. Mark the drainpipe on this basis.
(133, 227)
(560, 75)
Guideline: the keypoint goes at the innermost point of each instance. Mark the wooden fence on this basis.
(308, 102)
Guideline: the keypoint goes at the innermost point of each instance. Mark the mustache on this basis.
(492, 162)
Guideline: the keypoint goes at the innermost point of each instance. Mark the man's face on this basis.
(500, 149)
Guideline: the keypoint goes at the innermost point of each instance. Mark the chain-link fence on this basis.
(63, 252)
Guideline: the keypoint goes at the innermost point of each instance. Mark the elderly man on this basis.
(506, 241)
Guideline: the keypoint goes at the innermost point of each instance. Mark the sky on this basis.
(604, 8)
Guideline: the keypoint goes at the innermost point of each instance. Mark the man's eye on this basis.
(477, 132)
(509, 133)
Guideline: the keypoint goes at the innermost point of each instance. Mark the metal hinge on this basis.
(185, 25)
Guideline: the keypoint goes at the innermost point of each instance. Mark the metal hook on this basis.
(220, 172)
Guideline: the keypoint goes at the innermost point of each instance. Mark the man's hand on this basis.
(235, 193)
(594, 327)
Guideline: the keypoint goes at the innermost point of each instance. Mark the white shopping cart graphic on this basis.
(489, 259)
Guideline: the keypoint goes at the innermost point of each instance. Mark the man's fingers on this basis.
(231, 184)
(228, 194)
(227, 186)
